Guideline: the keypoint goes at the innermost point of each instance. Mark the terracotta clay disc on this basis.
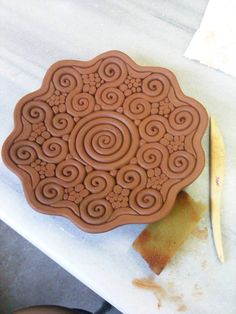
(106, 142)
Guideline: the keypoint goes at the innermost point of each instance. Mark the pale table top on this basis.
(35, 34)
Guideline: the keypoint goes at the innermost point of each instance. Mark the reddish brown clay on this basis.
(106, 142)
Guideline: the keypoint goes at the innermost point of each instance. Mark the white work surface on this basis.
(35, 34)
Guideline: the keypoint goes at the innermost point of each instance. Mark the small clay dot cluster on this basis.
(91, 82)
(131, 85)
(163, 108)
(173, 143)
(44, 169)
(39, 133)
(75, 194)
(156, 178)
(57, 102)
(118, 197)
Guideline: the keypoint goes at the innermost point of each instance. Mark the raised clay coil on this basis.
(106, 142)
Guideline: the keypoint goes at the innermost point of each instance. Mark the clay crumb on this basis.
(182, 308)
(149, 284)
(160, 293)
(201, 234)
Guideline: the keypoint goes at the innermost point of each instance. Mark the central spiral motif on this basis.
(104, 140)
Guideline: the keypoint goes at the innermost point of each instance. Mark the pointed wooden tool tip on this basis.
(220, 251)
(221, 258)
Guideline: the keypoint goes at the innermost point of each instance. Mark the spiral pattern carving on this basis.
(39, 111)
(60, 124)
(66, 79)
(23, 152)
(131, 176)
(80, 104)
(146, 201)
(136, 107)
(94, 208)
(183, 120)
(53, 150)
(110, 98)
(113, 70)
(180, 165)
(106, 142)
(156, 85)
(35, 111)
(97, 212)
(70, 172)
(153, 128)
(99, 182)
(150, 155)
(48, 191)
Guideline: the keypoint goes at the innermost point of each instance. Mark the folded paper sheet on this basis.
(214, 43)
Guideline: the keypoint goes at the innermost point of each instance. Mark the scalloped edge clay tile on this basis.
(106, 142)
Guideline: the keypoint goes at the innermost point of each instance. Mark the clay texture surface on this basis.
(106, 142)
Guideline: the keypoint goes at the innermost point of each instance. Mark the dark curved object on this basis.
(52, 309)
